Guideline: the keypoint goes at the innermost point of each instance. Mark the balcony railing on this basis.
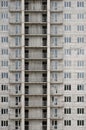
(36, 103)
(13, 116)
(14, 8)
(35, 80)
(35, 56)
(41, 8)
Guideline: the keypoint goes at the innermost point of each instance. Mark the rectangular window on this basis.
(80, 87)
(67, 122)
(67, 75)
(67, 110)
(80, 75)
(80, 122)
(67, 4)
(80, 3)
(67, 87)
(67, 99)
(67, 16)
(80, 110)
(80, 99)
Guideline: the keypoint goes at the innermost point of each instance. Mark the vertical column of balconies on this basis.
(15, 64)
(36, 64)
(56, 64)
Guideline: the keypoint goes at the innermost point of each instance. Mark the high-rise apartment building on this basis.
(42, 64)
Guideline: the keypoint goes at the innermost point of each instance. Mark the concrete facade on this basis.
(43, 65)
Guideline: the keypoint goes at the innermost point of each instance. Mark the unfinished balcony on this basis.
(35, 103)
(14, 8)
(14, 33)
(13, 56)
(13, 20)
(35, 80)
(36, 30)
(13, 92)
(35, 56)
(13, 104)
(35, 19)
(15, 68)
(29, 8)
(13, 116)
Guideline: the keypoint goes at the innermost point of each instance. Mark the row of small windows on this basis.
(67, 87)
(78, 51)
(79, 99)
(79, 75)
(69, 111)
(79, 16)
(4, 39)
(3, 27)
(68, 122)
(78, 4)
(4, 3)
(79, 39)
(79, 63)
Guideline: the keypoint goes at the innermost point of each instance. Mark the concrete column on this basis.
(22, 85)
(48, 64)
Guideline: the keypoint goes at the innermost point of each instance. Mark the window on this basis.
(67, 122)
(80, 4)
(80, 99)
(4, 99)
(4, 51)
(4, 39)
(67, 87)
(67, 51)
(4, 87)
(67, 28)
(67, 99)
(67, 63)
(4, 75)
(4, 123)
(80, 63)
(67, 4)
(67, 39)
(4, 27)
(80, 87)
(4, 3)
(67, 16)
(67, 75)
(67, 110)
(80, 75)
(80, 122)
(80, 39)
(80, 27)
(4, 111)
(80, 110)
(80, 16)
(4, 63)
(80, 51)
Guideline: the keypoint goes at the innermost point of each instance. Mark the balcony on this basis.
(13, 56)
(14, 21)
(35, 80)
(14, 68)
(12, 44)
(35, 56)
(13, 80)
(35, 103)
(14, 8)
(35, 33)
(35, 68)
(14, 117)
(59, 104)
(12, 92)
(58, 9)
(14, 33)
(35, 8)
(12, 104)
(57, 116)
